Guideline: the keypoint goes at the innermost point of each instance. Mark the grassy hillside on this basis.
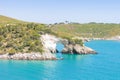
(17, 36)
(8, 20)
(98, 30)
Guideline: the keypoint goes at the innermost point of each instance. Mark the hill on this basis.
(89, 30)
(8, 20)
(18, 36)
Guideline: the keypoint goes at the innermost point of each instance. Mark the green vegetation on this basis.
(73, 41)
(88, 30)
(76, 41)
(91, 30)
(20, 37)
(6, 20)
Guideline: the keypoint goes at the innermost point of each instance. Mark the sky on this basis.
(52, 11)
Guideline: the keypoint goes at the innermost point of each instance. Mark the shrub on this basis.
(12, 51)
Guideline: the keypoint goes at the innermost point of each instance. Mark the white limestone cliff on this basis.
(49, 42)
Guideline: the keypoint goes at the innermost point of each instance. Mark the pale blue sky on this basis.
(51, 11)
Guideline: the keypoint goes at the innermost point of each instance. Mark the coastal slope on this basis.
(35, 41)
(86, 30)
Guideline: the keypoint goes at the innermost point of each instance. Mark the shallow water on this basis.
(103, 66)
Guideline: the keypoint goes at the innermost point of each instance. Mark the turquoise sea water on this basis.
(103, 66)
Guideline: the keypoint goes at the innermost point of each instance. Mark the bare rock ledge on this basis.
(29, 56)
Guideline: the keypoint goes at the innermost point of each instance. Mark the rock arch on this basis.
(50, 42)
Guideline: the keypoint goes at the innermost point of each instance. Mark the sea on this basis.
(102, 66)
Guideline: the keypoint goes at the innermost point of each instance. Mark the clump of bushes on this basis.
(74, 41)
(24, 38)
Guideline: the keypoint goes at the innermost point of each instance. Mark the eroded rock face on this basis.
(83, 50)
(77, 49)
(68, 49)
(49, 42)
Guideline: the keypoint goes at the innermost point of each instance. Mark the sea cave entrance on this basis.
(59, 48)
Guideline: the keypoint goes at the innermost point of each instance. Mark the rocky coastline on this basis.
(49, 43)
(49, 47)
(28, 56)
(115, 38)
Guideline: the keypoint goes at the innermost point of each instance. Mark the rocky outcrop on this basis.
(83, 50)
(49, 47)
(77, 49)
(49, 42)
(29, 56)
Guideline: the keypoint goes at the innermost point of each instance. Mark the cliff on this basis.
(32, 41)
(49, 47)
(49, 42)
